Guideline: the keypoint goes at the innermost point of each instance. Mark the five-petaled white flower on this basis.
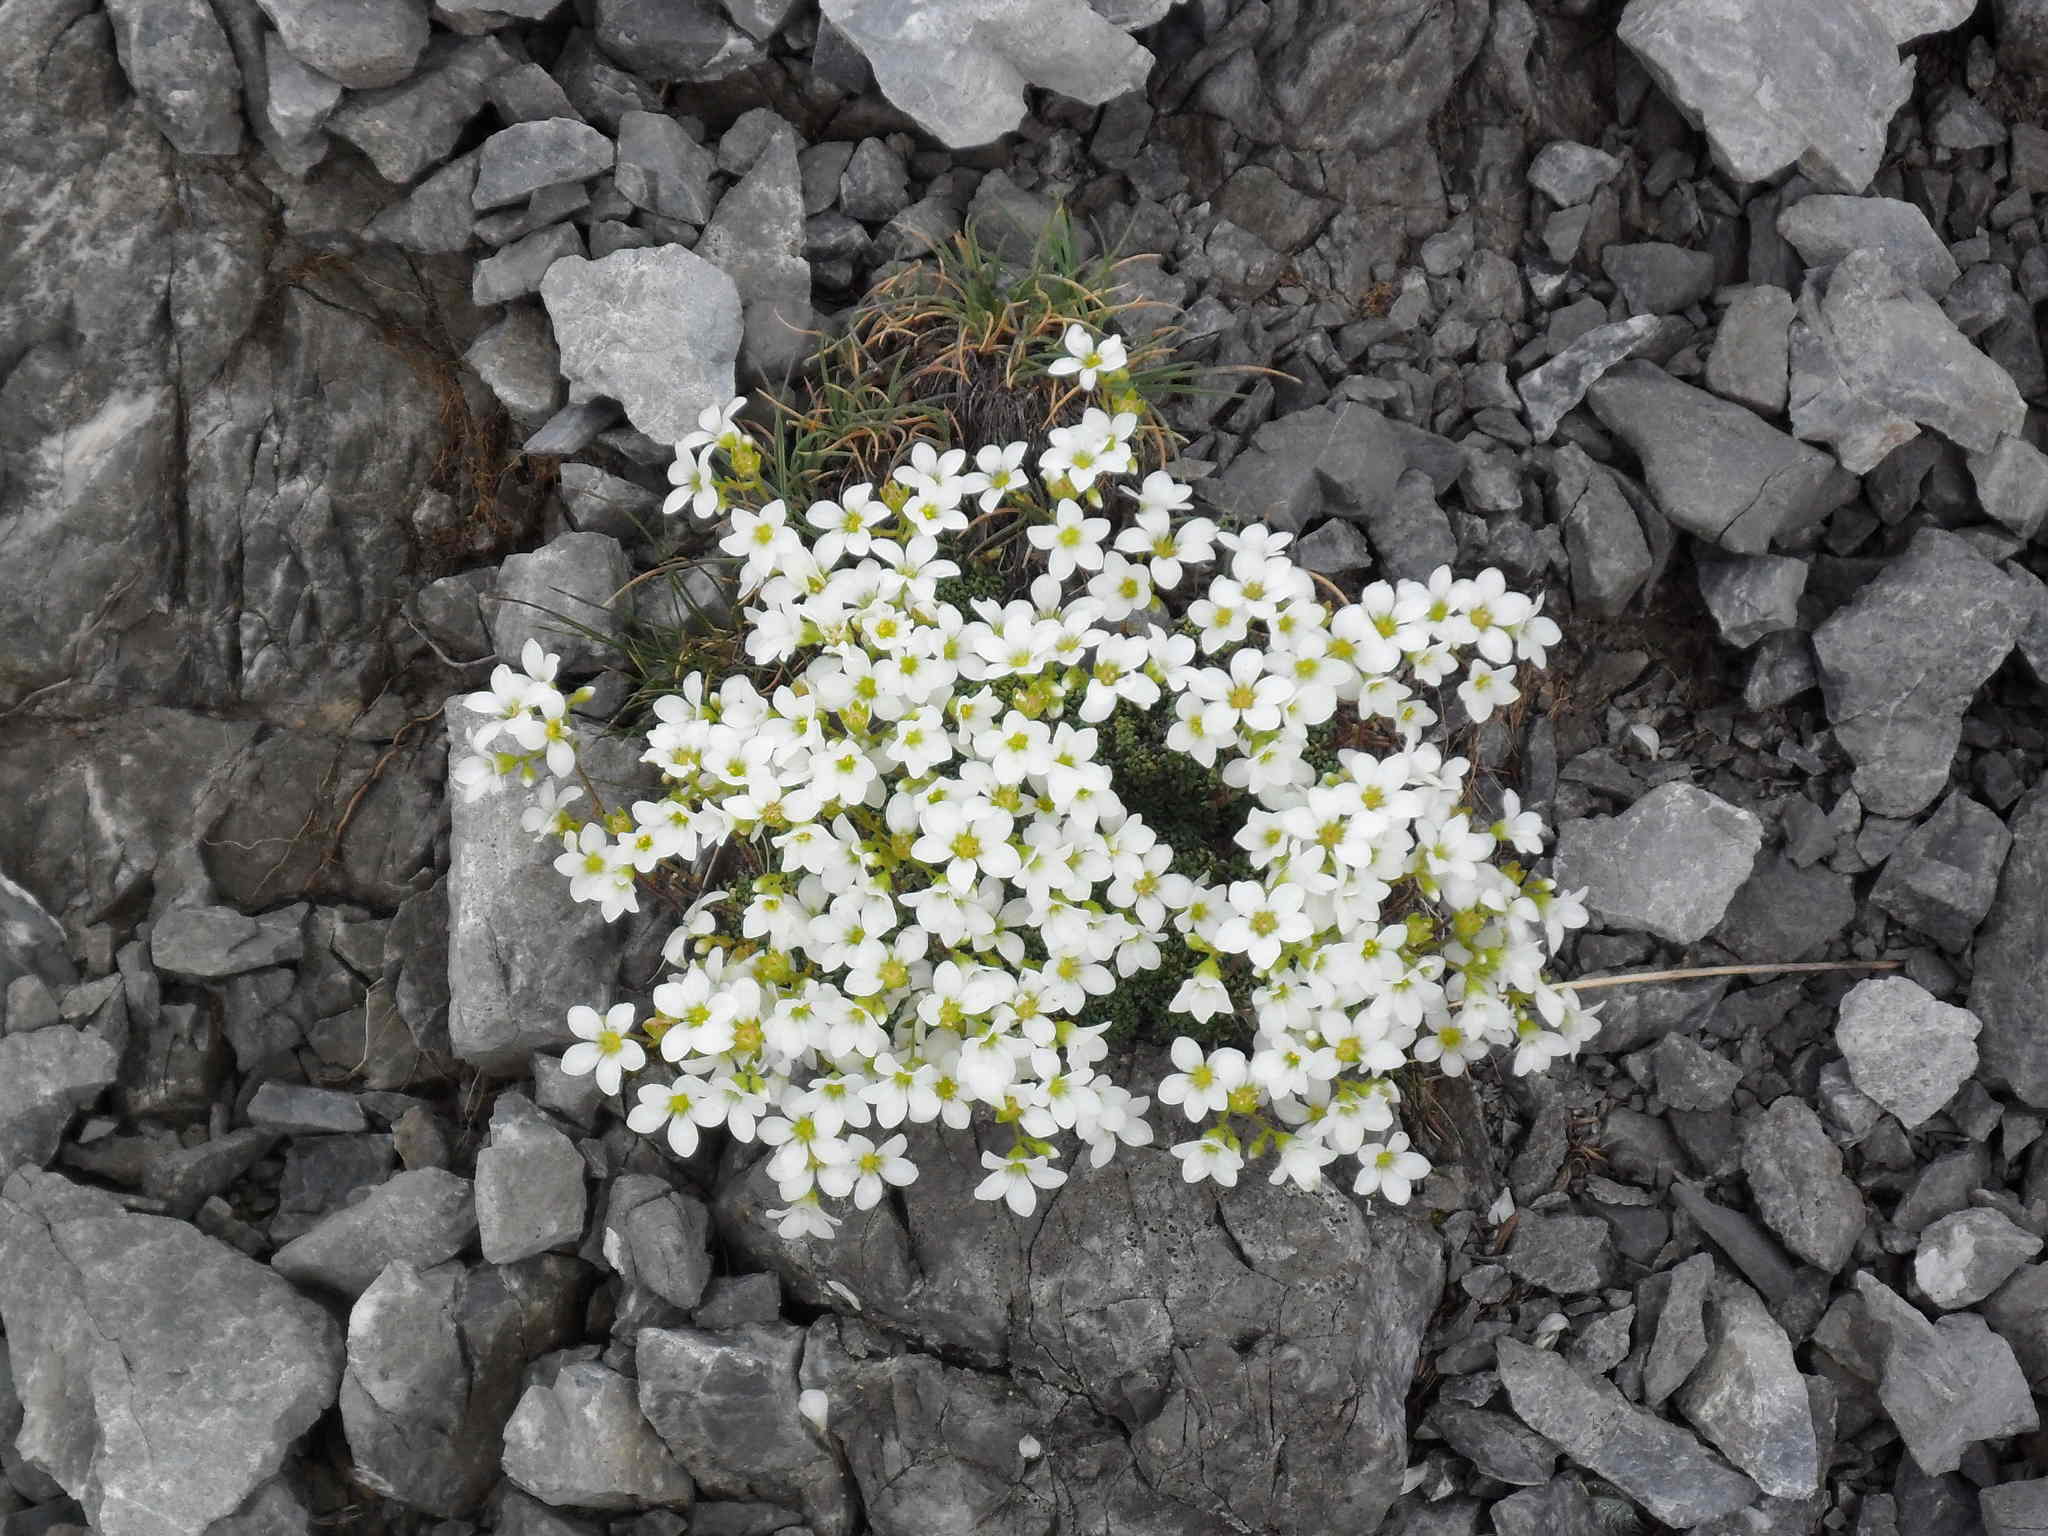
(1086, 357)
(602, 1049)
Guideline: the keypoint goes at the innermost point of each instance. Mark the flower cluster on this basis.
(942, 880)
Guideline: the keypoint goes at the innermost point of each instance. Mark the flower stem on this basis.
(1697, 972)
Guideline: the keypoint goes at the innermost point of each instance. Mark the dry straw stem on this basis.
(1699, 972)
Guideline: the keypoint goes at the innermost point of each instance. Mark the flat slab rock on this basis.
(1669, 865)
(1655, 1462)
(1906, 1049)
(162, 1375)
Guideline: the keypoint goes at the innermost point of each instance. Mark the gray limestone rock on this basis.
(408, 128)
(2009, 989)
(526, 93)
(1946, 1385)
(726, 1404)
(1689, 1076)
(529, 1185)
(662, 169)
(31, 940)
(960, 71)
(1658, 278)
(757, 239)
(436, 218)
(1900, 662)
(517, 359)
(657, 330)
(1826, 228)
(1965, 1256)
(436, 1358)
(1337, 548)
(2022, 36)
(1553, 389)
(1346, 458)
(658, 1238)
(2012, 484)
(874, 185)
(1751, 596)
(2014, 1509)
(177, 57)
(1656, 1463)
(1750, 363)
(674, 39)
(1409, 532)
(579, 1439)
(1716, 469)
(574, 576)
(423, 1217)
(1496, 1444)
(526, 158)
(1772, 83)
(2018, 1310)
(1796, 1179)
(1906, 1049)
(1565, 1255)
(162, 1376)
(297, 100)
(1874, 359)
(1943, 877)
(523, 266)
(46, 1077)
(1680, 1340)
(1569, 174)
(1669, 865)
(361, 43)
(209, 943)
(520, 952)
(1748, 1398)
(299, 1110)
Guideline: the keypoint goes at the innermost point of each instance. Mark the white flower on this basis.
(1388, 1168)
(998, 470)
(715, 425)
(1203, 1085)
(1016, 1179)
(684, 1106)
(1072, 540)
(602, 1049)
(696, 486)
(1262, 922)
(868, 1170)
(1209, 1157)
(1486, 689)
(1086, 357)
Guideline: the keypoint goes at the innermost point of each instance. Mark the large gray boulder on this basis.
(2009, 991)
(960, 69)
(162, 1375)
(1773, 82)
(656, 330)
(1900, 662)
(1716, 469)
(1669, 865)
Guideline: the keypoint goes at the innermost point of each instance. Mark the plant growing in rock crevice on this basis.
(961, 825)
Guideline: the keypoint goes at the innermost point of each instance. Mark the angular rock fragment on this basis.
(2012, 485)
(1906, 1049)
(162, 1375)
(756, 238)
(1680, 1340)
(518, 360)
(1824, 229)
(1900, 662)
(1569, 174)
(529, 1185)
(1653, 1461)
(1748, 1398)
(361, 43)
(578, 1438)
(1965, 1256)
(1603, 535)
(522, 267)
(726, 1404)
(1946, 1385)
(1752, 596)
(1715, 469)
(423, 1217)
(1565, 1255)
(1943, 878)
(2014, 1509)
(1668, 866)
(674, 39)
(1552, 390)
(46, 1077)
(575, 575)
(526, 158)
(1496, 1444)
(662, 169)
(1347, 454)
(961, 71)
(210, 943)
(2009, 989)
(408, 128)
(1795, 1176)
(1750, 362)
(1658, 278)
(177, 57)
(657, 330)
(1773, 83)
(1874, 359)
